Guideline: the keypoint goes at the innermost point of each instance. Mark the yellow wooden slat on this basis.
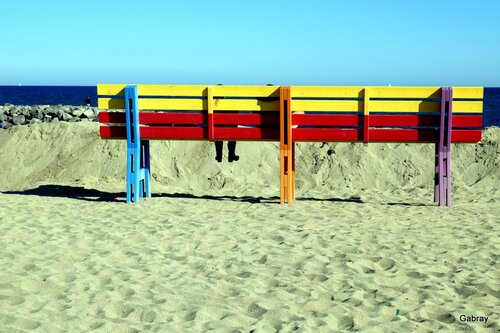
(154, 90)
(467, 107)
(172, 104)
(326, 92)
(156, 104)
(172, 90)
(111, 89)
(419, 106)
(191, 90)
(468, 92)
(244, 105)
(405, 92)
(109, 103)
(322, 105)
(247, 91)
(404, 106)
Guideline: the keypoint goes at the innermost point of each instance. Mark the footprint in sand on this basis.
(16, 300)
(126, 292)
(148, 316)
(316, 277)
(255, 310)
(417, 275)
(244, 275)
(386, 263)
(190, 316)
(27, 324)
(437, 313)
(263, 260)
(345, 322)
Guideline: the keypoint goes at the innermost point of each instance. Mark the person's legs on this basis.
(231, 147)
(218, 151)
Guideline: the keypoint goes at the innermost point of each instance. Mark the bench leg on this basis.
(442, 178)
(133, 174)
(145, 167)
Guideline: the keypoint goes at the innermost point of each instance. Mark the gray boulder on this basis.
(66, 117)
(18, 119)
(35, 121)
(77, 112)
(89, 113)
(6, 125)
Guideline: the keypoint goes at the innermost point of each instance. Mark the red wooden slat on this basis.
(156, 132)
(326, 120)
(383, 120)
(403, 135)
(466, 136)
(382, 135)
(193, 133)
(230, 133)
(467, 121)
(403, 120)
(247, 119)
(326, 134)
(111, 117)
(159, 118)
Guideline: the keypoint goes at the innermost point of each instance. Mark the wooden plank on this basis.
(405, 92)
(111, 89)
(246, 91)
(158, 118)
(191, 90)
(467, 107)
(154, 90)
(326, 120)
(383, 135)
(419, 120)
(224, 104)
(297, 91)
(156, 104)
(468, 92)
(326, 92)
(156, 132)
(300, 134)
(247, 119)
(327, 106)
(110, 103)
(404, 106)
(383, 120)
(327, 134)
(319, 120)
(257, 134)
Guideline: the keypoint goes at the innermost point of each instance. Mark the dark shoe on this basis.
(231, 158)
(218, 151)
(231, 147)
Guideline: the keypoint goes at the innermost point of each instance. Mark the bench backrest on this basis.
(194, 112)
(383, 114)
(319, 113)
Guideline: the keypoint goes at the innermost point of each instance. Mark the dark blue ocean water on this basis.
(32, 95)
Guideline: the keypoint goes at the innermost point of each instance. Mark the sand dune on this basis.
(362, 249)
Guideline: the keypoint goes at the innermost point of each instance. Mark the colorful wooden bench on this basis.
(289, 114)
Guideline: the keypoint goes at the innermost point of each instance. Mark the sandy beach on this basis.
(363, 248)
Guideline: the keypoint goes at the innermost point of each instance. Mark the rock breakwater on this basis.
(11, 115)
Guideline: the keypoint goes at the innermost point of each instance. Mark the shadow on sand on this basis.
(85, 194)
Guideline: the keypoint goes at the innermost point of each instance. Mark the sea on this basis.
(76, 95)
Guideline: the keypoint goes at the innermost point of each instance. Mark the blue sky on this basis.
(348, 42)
